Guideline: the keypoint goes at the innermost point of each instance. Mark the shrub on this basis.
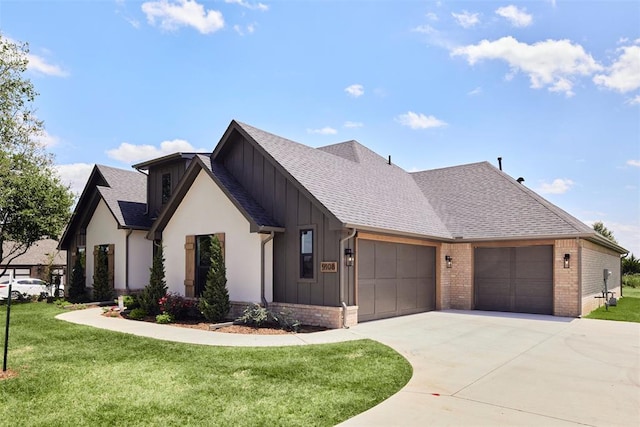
(157, 287)
(258, 316)
(631, 280)
(176, 306)
(164, 318)
(137, 314)
(214, 303)
(101, 289)
(130, 301)
(77, 287)
(254, 315)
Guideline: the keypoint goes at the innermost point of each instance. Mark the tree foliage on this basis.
(34, 204)
(214, 302)
(101, 289)
(604, 231)
(630, 265)
(157, 287)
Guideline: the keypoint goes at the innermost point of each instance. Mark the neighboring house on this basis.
(42, 258)
(338, 234)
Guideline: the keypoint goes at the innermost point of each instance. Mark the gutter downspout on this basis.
(262, 263)
(341, 280)
(126, 261)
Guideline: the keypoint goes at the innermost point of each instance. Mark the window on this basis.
(306, 254)
(166, 187)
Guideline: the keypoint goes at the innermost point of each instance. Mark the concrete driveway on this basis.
(480, 368)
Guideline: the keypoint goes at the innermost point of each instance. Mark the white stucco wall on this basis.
(103, 230)
(207, 210)
(140, 259)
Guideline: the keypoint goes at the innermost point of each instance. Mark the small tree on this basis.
(157, 287)
(77, 287)
(214, 303)
(604, 231)
(630, 265)
(101, 289)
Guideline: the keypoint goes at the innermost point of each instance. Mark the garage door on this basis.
(514, 279)
(394, 279)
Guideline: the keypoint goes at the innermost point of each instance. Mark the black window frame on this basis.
(307, 264)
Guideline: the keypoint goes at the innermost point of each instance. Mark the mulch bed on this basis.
(231, 329)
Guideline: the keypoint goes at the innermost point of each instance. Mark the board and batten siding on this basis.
(154, 182)
(204, 210)
(289, 207)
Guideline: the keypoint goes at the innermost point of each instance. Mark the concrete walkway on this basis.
(474, 368)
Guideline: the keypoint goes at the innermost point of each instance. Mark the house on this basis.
(42, 258)
(339, 235)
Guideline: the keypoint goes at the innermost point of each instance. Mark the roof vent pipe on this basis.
(500, 162)
(389, 159)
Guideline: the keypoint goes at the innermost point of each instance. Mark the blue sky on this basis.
(553, 87)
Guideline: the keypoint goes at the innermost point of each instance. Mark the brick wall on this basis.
(443, 282)
(595, 259)
(313, 315)
(460, 276)
(566, 286)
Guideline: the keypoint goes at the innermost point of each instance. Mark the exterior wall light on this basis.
(566, 259)
(449, 260)
(348, 257)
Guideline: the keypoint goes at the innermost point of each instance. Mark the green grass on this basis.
(627, 310)
(77, 375)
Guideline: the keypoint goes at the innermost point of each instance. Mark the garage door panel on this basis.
(386, 300)
(366, 297)
(366, 257)
(406, 265)
(407, 294)
(426, 296)
(385, 260)
(426, 266)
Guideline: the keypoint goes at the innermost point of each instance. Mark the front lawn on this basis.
(628, 308)
(77, 375)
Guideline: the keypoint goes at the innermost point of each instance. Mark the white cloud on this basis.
(517, 17)
(419, 121)
(558, 186)
(551, 63)
(624, 74)
(40, 65)
(431, 16)
(47, 140)
(249, 29)
(355, 90)
(252, 6)
(323, 131)
(130, 153)
(183, 13)
(353, 125)
(476, 91)
(74, 175)
(633, 101)
(635, 163)
(466, 19)
(424, 29)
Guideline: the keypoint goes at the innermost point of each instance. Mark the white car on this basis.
(23, 287)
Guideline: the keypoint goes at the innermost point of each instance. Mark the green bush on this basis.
(101, 289)
(214, 303)
(157, 287)
(137, 314)
(631, 280)
(254, 315)
(77, 291)
(164, 318)
(258, 316)
(131, 301)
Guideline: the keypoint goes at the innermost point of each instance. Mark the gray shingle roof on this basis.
(38, 253)
(238, 193)
(355, 184)
(477, 201)
(125, 195)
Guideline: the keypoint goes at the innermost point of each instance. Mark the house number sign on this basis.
(328, 267)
